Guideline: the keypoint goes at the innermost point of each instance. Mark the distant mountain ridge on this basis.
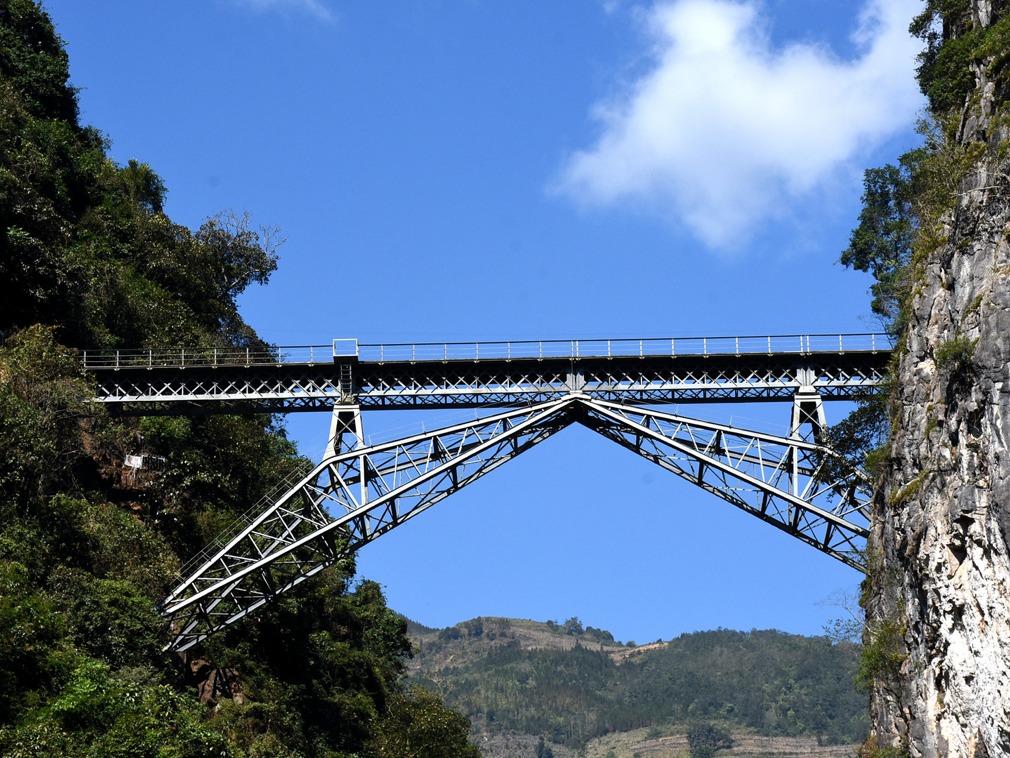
(524, 681)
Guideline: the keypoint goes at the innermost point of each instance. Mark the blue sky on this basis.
(478, 170)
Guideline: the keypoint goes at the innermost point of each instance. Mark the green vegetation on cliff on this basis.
(907, 207)
(949, 195)
(87, 546)
(954, 44)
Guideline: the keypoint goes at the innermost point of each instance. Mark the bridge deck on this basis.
(493, 374)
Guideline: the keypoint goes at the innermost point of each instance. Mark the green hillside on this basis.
(570, 685)
(88, 259)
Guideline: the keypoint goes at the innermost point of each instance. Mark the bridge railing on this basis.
(613, 348)
(206, 356)
(475, 351)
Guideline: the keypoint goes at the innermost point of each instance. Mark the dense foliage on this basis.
(86, 244)
(705, 739)
(953, 45)
(88, 546)
(903, 204)
(882, 242)
(770, 682)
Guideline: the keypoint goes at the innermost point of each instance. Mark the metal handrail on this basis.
(481, 351)
(205, 356)
(622, 348)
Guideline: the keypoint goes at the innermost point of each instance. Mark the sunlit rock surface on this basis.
(940, 572)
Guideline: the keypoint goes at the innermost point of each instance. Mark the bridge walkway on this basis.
(488, 374)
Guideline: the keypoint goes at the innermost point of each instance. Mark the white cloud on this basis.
(724, 129)
(313, 7)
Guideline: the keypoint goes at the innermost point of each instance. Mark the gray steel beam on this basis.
(784, 481)
(487, 382)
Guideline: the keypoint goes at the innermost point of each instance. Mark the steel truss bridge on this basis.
(522, 393)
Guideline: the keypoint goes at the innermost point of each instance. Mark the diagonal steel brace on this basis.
(356, 496)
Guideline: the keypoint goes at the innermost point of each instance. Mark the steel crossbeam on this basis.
(356, 496)
(491, 382)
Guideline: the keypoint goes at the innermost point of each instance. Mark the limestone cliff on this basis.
(938, 590)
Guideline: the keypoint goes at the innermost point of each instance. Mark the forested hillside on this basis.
(88, 546)
(568, 684)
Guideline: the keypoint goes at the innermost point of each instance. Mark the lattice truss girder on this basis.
(642, 381)
(356, 496)
(498, 383)
(282, 386)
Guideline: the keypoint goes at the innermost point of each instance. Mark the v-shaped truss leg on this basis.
(347, 501)
(357, 495)
(781, 480)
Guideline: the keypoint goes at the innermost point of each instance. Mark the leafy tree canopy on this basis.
(882, 242)
(954, 44)
(87, 547)
(704, 739)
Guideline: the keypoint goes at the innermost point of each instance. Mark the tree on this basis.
(89, 259)
(418, 725)
(42, 399)
(944, 74)
(860, 436)
(240, 254)
(573, 626)
(33, 59)
(704, 739)
(146, 188)
(882, 242)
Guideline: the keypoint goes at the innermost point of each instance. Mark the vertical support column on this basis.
(346, 435)
(808, 410)
(345, 424)
(345, 430)
(575, 380)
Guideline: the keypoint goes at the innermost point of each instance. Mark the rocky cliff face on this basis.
(938, 595)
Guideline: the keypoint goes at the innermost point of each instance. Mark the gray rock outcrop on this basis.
(938, 591)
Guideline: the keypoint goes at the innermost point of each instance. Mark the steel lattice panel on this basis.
(785, 482)
(488, 383)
